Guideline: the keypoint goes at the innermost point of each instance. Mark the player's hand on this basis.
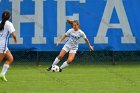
(91, 48)
(58, 43)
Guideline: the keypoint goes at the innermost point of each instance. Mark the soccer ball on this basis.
(55, 68)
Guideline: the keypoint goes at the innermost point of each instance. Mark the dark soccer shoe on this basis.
(48, 69)
(60, 70)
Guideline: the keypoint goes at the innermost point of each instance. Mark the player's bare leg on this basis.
(9, 57)
(69, 60)
(9, 60)
(1, 56)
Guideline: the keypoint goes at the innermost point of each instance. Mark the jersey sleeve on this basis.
(83, 35)
(68, 32)
(10, 28)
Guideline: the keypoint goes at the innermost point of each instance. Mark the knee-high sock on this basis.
(55, 61)
(4, 69)
(65, 64)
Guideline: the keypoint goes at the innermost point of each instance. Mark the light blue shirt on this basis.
(74, 37)
(4, 34)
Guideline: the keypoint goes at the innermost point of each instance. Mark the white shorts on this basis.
(4, 51)
(70, 50)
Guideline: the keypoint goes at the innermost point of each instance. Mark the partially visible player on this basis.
(6, 28)
(71, 45)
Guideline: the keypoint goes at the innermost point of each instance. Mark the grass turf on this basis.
(74, 79)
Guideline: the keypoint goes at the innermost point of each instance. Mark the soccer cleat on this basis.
(48, 69)
(3, 77)
(60, 70)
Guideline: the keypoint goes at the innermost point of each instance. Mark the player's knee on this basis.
(10, 59)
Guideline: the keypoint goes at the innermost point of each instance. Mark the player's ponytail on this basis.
(5, 17)
(71, 22)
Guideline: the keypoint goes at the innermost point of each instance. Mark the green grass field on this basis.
(74, 79)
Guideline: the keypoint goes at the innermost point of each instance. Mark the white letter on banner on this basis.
(105, 23)
(61, 17)
(37, 18)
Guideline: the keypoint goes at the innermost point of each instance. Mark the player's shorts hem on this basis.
(73, 51)
(67, 49)
(3, 51)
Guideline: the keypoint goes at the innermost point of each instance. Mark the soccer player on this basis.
(6, 28)
(71, 46)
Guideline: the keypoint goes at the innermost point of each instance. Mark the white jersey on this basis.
(4, 34)
(74, 37)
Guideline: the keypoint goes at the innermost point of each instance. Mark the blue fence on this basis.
(108, 24)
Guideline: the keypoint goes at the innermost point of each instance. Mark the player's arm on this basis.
(62, 38)
(87, 41)
(14, 36)
(11, 30)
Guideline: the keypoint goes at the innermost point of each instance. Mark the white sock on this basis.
(55, 61)
(4, 69)
(65, 64)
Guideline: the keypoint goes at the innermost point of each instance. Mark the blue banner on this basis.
(108, 24)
